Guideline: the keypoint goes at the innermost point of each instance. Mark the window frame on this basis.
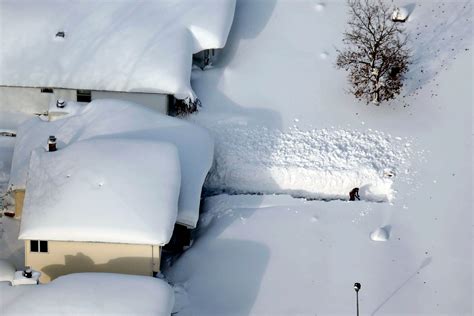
(39, 246)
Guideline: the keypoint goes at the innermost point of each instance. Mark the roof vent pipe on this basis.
(60, 103)
(52, 143)
(28, 273)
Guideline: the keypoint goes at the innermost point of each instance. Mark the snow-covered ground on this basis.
(282, 123)
(274, 255)
(276, 106)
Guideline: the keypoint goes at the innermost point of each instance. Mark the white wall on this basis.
(30, 100)
(157, 102)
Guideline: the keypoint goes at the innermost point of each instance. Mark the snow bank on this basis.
(91, 294)
(115, 190)
(380, 234)
(113, 119)
(319, 163)
(131, 46)
(7, 271)
(9, 121)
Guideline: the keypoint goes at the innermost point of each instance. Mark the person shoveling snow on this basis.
(354, 194)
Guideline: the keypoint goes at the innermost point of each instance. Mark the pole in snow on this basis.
(357, 288)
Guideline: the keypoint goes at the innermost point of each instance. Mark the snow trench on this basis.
(321, 164)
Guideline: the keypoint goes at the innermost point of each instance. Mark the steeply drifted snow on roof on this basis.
(139, 46)
(90, 294)
(103, 190)
(113, 119)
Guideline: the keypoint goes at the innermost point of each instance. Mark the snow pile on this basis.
(131, 46)
(101, 190)
(113, 119)
(380, 234)
(90, 294)
(9, 121)
(322, 164)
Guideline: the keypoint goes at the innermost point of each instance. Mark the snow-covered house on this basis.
(114, 149)
(90, 294)
(100, 205)
(140, 51)
(120, 119)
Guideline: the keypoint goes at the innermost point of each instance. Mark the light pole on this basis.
(357, 288)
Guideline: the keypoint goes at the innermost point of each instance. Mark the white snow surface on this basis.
(276, 255)
(318, 163)
(113, 119)
(267, 255)
(380, 234)
(70, 108)
(133, 46)
(7, 271)
(278, 110)
(90, 294)
(101, 190)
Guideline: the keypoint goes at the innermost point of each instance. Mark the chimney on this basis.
(52, 143)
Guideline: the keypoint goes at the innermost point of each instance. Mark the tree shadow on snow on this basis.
(426, 262)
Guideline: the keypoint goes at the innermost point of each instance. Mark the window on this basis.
(38, 246)
(46, 90)
(34, 246)
(84, 96)
(43, 246)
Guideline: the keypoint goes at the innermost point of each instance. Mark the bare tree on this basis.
(376, 54)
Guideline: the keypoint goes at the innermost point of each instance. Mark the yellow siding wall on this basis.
(19, 199)
(64, 257)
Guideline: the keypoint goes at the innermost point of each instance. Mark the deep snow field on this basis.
(283, 124)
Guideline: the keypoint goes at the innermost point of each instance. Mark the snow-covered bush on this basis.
(376, 54)
(186, 106)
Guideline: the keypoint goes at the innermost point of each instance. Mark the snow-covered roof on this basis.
(103, 190)
(91, 294)
(126, 45)
(120, 119)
